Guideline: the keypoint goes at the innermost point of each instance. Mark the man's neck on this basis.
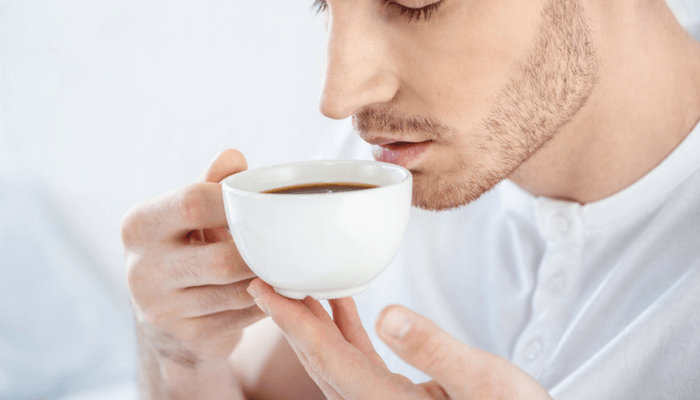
(646, 102)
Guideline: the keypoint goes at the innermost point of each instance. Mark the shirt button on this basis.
(560, 224)
(533, 350)
(557, 283)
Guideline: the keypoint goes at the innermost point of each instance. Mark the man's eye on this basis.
(416, 14)
(411, 14)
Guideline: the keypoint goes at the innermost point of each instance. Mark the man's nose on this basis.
(359, 71)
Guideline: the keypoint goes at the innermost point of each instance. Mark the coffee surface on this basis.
(321, 188)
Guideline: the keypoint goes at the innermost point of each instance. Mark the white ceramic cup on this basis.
(320, 245)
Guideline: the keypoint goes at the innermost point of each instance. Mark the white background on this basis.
(107, 103)
(112, 102)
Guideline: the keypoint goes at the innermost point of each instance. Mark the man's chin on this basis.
(447, 192)
(435, 194)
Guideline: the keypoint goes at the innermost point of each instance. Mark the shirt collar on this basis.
(643, 194)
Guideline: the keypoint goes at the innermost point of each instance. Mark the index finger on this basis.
(173, 215)
(336, 361)
(348, 321)
(228, 162)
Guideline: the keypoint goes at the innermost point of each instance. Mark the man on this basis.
(565, 126)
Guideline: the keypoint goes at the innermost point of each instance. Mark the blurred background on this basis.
(104, 104)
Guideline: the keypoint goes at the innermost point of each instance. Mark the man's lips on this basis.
(394, 146)
(383, 141)
(399, 152)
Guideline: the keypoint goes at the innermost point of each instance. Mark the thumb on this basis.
(226, 163)
(421, 343)
(462, 371)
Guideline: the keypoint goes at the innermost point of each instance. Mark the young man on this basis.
(567, 127)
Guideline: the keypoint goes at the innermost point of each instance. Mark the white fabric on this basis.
(596, 302)
(127, 390)
(59, 330)
(687, 13)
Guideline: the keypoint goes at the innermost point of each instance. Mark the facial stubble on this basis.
(550, 87)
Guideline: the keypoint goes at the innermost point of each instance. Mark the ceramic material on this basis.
(320, 245)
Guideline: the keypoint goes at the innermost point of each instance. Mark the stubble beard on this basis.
(552, 85)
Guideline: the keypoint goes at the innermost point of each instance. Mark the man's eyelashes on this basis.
(411, 14)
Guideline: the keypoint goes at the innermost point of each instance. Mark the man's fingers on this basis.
(229, 320)
(434, 390)
(207, 264)
(462, 371)
(421, 343)
(204, 300)
(219, 331)
(200, 301)
(173, 215)
(325, 350)
(317, 309)
(326, 388)
(216, 235)
(226, 163)
(292, 316)
(348, 321)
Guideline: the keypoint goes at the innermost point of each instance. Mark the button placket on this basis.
(560, 225)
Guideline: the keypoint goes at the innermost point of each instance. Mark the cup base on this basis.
(321, 294)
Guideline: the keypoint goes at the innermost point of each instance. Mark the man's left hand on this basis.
(338, 354)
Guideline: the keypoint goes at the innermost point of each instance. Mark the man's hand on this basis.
(338, 355)
(188, 281)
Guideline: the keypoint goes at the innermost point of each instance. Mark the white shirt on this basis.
(600, 301)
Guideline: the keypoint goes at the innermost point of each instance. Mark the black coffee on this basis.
(320, 188)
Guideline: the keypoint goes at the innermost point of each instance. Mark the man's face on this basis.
(466, 90)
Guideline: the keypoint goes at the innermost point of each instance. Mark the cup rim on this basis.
(227, 187)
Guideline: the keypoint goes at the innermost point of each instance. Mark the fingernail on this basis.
(396, 324)
(262, 306)
(254, 291)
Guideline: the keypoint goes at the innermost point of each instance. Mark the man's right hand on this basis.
(187, 280)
